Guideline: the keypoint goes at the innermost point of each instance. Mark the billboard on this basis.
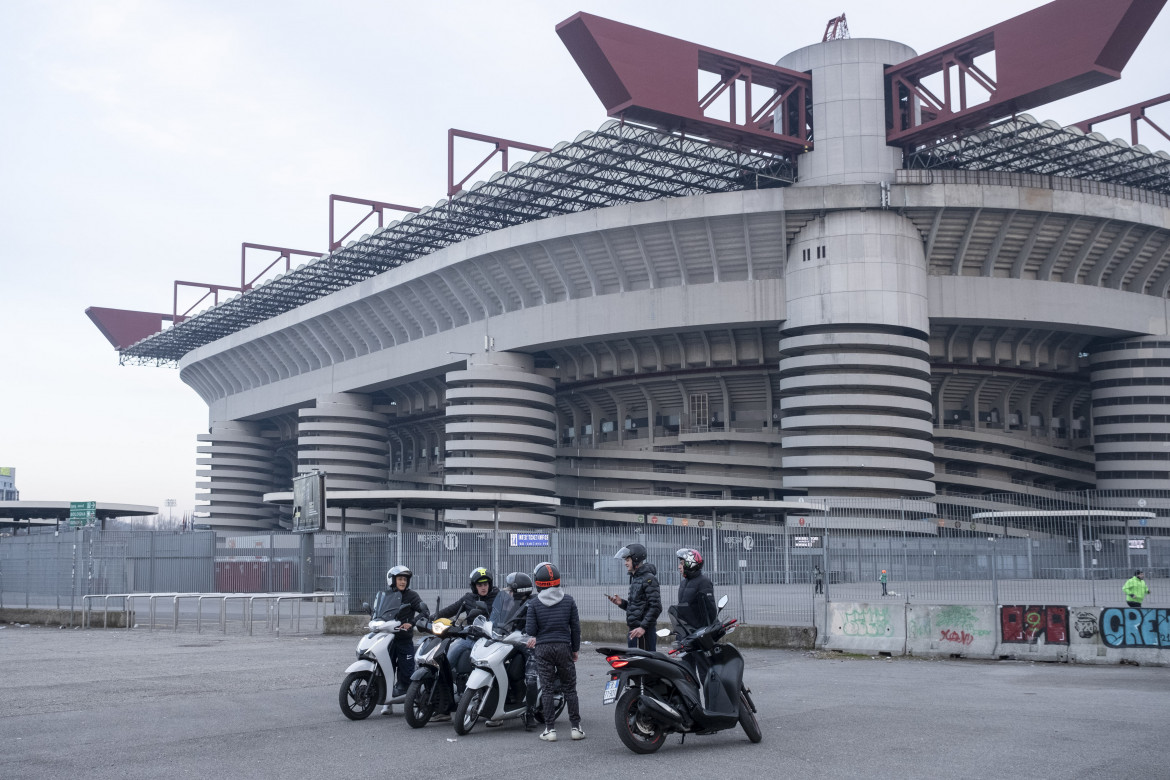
(309, 502)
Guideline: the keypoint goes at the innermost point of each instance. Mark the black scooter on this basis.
(695, 689)
(435, 687)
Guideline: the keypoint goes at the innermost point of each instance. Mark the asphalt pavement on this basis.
(106, 704)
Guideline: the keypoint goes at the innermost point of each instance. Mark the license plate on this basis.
(611, 692)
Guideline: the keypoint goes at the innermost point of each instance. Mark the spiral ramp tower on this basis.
(236, 470)
(501, 433)
(345, 438)
(1131, 427)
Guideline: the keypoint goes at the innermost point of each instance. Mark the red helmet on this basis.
(546, 575)
(692, 560)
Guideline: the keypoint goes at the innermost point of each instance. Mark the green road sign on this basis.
(82, 512)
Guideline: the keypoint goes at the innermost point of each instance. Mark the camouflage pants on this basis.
(555, 661)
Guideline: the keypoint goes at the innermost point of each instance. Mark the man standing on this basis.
(1136, 589)
(555, 630)
(818, 579)
(643, 604)
(882, 580)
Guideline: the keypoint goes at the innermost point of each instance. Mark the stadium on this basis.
(860, 275)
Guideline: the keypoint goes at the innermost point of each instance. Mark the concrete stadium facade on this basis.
(869, 333)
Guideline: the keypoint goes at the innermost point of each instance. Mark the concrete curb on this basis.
(63, 617)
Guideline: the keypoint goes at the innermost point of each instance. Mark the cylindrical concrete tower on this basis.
(849, 110)
(346, 439)
(1131, 413)
(854, 350)
(236, 462)
(501, 428)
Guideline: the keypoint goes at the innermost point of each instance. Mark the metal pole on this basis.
(714, 541)
(1081, 545)
(994, 578)
(787, 561)
(496, 539)
(398, 536)
(905, 558)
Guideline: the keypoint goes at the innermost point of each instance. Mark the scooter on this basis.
(697, 688)
(368, 679)
(434, 686)
(496, 689)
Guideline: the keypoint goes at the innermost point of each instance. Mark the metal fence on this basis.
(1060, 548)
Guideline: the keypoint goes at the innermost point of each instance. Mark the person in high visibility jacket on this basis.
(1135, 589)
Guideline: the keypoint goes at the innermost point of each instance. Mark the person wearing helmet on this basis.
(696, 595)
(554, 628)
(481, 593)
(643, 603)
(883, 579)
(402, 646)
(511, 614)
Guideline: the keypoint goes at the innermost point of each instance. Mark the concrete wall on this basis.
(63, 617)
(1050, 632)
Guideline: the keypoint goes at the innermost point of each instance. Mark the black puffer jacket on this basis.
(643, 604)
(696, 601)
(467, 603)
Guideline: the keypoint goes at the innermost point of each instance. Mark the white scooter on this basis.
(496, 689)
(369, 679)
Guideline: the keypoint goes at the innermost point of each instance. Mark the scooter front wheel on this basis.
(359, 695)
(418, 705)
(636, 731)
(467, 713)
(747, 719)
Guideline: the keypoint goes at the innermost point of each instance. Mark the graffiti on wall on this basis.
(866, 621)
(1085, 625)
(959, 625)
(1135, 627)
(1034, 624)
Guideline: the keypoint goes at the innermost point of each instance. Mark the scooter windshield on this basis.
(387, 604)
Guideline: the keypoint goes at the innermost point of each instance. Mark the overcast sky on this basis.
(142, 142)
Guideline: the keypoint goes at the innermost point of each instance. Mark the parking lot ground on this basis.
(106, 704)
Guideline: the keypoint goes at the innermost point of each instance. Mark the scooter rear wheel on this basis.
(636, 731)
(418, 706)
(747, 719)
(359, 695)
(467, 713)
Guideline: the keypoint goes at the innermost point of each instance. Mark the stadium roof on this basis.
(619, 163)
(622, 163)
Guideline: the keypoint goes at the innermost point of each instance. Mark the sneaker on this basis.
(387, 709)
(441, 716)
(549, 735)
(529, 721)
(578, 733)
(491, 724)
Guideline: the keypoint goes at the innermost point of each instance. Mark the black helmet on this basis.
(546, 575)
(692, 560)
(635, 551)
(520, 584)
(398, 571)
(477, 576)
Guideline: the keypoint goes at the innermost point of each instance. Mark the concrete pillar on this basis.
(236, 464)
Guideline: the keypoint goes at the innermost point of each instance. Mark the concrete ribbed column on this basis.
(855, 359)
(236, 462)
(346, 439)
(1130, 383)
(501, 429)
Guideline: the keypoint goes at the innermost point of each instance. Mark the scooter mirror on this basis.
(723, 602)
(663, 632)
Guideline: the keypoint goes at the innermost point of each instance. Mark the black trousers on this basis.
(648, 641)
(402, 656)
(555, 661)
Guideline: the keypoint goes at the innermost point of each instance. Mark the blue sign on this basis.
(1144, 520)
(529, 540)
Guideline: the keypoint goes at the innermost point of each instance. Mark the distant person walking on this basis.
(1135, 589)
(818, 579)
(883, 579)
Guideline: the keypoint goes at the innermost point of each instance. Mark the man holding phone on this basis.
(643, 604)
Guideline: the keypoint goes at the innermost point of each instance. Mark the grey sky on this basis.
(144, 141)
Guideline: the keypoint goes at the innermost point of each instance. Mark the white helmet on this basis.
(397, 571)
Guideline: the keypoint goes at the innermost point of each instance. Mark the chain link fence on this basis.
(1073, 548)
